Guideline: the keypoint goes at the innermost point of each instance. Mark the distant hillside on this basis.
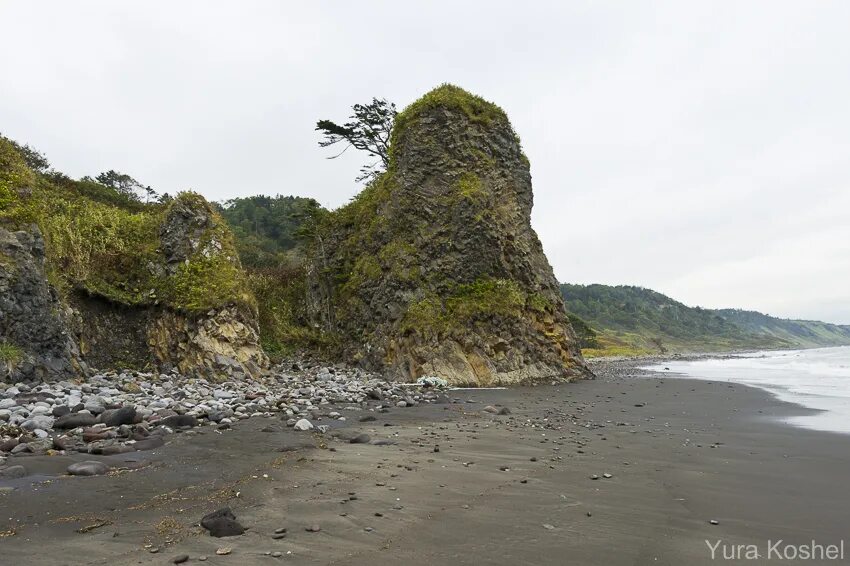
(633, 320)
(266, 228)
(803, 333)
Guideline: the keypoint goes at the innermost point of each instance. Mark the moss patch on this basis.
(470, 188)
(448, 96)
(434, 315)
(10, 354)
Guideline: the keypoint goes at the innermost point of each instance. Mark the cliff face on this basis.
(156, 286)
(434, 268)
(33, 321)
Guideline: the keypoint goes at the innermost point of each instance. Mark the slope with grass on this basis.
(802, 333)
(633, 321)
(134, 284)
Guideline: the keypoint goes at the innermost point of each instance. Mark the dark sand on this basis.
(694, 451)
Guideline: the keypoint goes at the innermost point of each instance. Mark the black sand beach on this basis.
(460, 486)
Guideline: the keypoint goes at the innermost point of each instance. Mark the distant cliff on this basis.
(434, 268)
(796, 333)
(109, 282)
(631, 320)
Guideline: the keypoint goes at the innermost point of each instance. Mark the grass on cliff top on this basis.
(448, 96)
(97, 243)
(364, 209)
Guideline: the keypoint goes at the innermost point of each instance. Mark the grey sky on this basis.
(698, 148)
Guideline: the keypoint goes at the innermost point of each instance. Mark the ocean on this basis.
(817, 378)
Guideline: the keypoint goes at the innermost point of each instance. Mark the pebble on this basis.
(313, 528)
(180, 559)
(223, 551)
(13, 472)
(121, 411)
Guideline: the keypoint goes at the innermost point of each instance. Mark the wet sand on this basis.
(513, 489)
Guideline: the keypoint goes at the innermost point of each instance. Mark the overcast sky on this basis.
(701, 149)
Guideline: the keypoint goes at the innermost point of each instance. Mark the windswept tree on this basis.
(368, 130)
(126, 185)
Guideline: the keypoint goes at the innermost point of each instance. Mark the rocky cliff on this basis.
(118, 285)
(434, 268)
(33, 321)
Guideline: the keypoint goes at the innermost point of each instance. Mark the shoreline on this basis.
(818, 410)
(514, 488)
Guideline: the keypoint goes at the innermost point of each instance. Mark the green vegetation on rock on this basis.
(434, 266)
(99, 242)
(446, 96)
(281, 298)
(438, 316)
(10, 354)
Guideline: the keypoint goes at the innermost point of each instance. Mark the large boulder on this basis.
(434, 269)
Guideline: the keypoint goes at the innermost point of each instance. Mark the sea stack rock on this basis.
(434, 269)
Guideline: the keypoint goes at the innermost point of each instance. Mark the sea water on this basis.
(818, 379)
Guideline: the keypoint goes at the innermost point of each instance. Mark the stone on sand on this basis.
(222, 523)
(88, 468)
(13, 472)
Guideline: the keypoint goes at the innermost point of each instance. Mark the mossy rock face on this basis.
(434, 267)
(139, 264)
(34, 342)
